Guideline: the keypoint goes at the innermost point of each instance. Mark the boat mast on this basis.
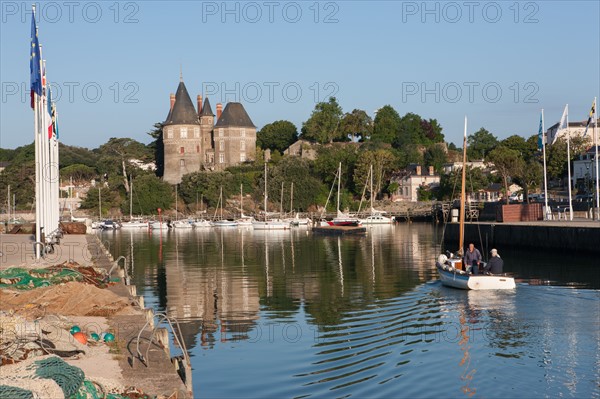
(265, 191)
(461, 237)
(292, 198)
(281, 202)
(338, 191)
(241, 201)
(371, 173)
(176, 217)
(130, 198)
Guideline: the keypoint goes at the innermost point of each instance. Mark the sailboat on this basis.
(376, 217)
(451, 270)
(179, 224)
(133, 223)
(296, 220)
(222, 222)
(200, 222)
(342, 219)
(269, 224)
(244, 220)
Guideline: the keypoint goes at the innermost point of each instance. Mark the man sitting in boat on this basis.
(472, 259)
(495, 264)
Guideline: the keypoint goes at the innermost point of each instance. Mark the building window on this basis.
(243, 132)
(198, 148)
(196, 132)
(222, 145)
(242, 145)
(181, 150)
(242, 157)
(221, 132)
(170, 133)
(221, 158)
(182, 163)
(183, 132)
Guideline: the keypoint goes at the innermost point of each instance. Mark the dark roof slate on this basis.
(235, 115)
(206, 109)
(183, 112)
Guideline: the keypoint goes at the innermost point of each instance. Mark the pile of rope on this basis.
(25, 279)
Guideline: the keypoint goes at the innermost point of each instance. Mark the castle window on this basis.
(181, 150)
(222, 145)
(221, 158)
(183, 132)
(221, 132)
(182, 163)
(170, 133)
(197, 148)
(242, 157)
(243, 132)
(242, 145)
(196, 132)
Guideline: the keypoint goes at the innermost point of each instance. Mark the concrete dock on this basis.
(157, 376)
(554, 235)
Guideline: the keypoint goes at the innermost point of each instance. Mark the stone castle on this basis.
(193, 142)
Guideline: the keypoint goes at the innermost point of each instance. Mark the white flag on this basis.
(563, 123)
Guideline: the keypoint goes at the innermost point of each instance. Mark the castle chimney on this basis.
(219, 110)
(199, 99)
(418, 170)
(172, 97)
(431, 171)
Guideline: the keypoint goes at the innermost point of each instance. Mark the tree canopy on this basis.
(278, 135)
(323, 126)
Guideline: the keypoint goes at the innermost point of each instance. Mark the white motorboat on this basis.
(224, 223)
(201, 223)
(182, 224)
(156, 225)
(134, 224)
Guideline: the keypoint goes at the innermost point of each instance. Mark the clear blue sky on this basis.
(540, 54)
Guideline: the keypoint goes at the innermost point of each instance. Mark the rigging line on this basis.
(471, 214)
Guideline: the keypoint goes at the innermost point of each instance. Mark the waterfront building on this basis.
(193, 141)
(410, 179)
(576, 129)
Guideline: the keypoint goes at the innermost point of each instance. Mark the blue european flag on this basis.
(35, 63)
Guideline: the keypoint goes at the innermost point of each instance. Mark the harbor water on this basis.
(270, 314)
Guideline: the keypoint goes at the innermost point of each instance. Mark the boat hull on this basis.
(134, 225)
(224, 223)
(270, 225)
(451, 277)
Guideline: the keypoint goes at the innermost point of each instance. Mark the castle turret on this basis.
(181, 137)
(234, 137)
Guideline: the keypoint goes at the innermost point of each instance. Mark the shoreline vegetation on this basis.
(389, 142)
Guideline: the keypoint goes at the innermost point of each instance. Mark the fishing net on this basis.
(25, 279)
(52, 377)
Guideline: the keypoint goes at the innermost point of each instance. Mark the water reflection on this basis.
(359, 316)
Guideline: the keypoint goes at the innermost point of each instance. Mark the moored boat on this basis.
(451, 269)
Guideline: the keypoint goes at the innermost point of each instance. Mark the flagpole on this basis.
(569, 165)
(596, 145)
(547, 213)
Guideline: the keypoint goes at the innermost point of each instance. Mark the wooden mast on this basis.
(461, 239)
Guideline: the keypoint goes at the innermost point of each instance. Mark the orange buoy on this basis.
(81, 337)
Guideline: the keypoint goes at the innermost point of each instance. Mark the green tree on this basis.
(449, 187)
(157, 147)
(151, 193)
(328, 159)
(324, 122)
(386, 124)
(78, 172)
(526, 148)
(480, 144)
(101, 196)
(528, 175)
(115, 154)
(278, 135)
(436, 156)
(356, 124)
(507, 162)
(383, 162)
(306, 187)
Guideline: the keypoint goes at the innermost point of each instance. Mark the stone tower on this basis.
(183, 150)
(234, 137)
(207, 123)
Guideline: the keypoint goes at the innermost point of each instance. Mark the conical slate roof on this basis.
(235, 115)
(183, 112)
(206, 109)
